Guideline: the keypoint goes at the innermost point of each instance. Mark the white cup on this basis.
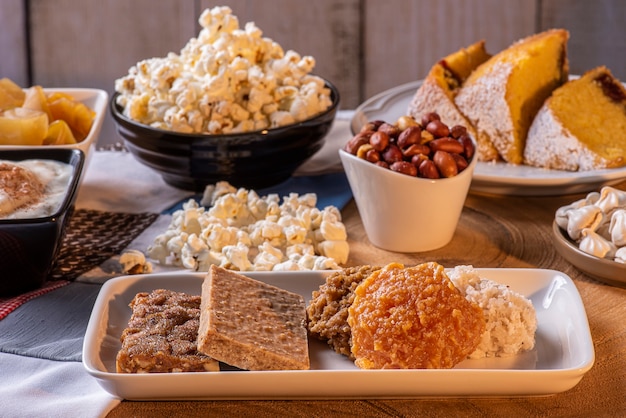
(402, 213)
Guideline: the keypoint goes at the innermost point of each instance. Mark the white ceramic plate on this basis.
(97, 101)
(497, 178)
(602, 269)
(562, 355)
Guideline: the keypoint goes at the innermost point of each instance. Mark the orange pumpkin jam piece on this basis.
(412, 318)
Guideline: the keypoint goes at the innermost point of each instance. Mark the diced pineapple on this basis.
(36, 99)
(21, 126)
(59, 133)
(78, 116)
(11, 95)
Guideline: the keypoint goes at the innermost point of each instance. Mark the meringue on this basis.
(597, 223)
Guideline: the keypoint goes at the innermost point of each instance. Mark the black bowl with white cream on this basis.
(38, 188)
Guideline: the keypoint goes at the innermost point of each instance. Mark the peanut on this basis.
(404, 167)
(392, 154)
(389, 129)
(363, 149)
(457, 130)
(429, 117)
(416, 149)
(468, 145)
(445, 164)
(430, 149)
(427, 169)
(446, 144)
(380, 140)
(461, 162)
(353, 145)
(373, 156)
(411, 135)
(438, 128)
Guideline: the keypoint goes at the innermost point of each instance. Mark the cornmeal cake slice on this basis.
(440, 87)
(252, 325)
(162, 334)
(582, 126)
(501, 97)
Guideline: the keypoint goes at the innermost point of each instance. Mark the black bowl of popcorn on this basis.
(250, 159)
(232, 106)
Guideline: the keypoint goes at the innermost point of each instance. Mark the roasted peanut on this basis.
(371, 125)
(411, 135)
(380, 140)
(392, 154)
(446, 144)
(372, 156)
(445, 164)
(404, 122)
(416, 160)
(416, 149)
(363, 149)
(389, 129)
(432, 152)
(429, 117)
(461, 162)
(427, 169)
(353, 144)
(404, 167)
(438, 129)
(468, 146)
(457, 130)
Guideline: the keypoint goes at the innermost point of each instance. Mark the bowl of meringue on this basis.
(590, 233)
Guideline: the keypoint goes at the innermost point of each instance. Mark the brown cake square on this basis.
(252, 325)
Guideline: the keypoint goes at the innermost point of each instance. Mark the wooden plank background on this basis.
(363, 46)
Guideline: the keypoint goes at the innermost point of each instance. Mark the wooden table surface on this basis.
(494, 231)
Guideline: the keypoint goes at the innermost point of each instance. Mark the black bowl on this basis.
(29, 247)
(252, 159)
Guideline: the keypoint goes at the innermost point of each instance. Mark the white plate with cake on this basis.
(563, 350)
(492, 177)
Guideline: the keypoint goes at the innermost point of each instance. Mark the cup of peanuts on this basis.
(409, 180)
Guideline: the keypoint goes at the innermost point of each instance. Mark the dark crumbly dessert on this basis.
(162, 334)
(328, 309)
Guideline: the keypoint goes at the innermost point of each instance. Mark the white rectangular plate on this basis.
(562, 355)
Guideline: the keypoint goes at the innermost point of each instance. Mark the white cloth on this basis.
(50, 389)
(116, 182)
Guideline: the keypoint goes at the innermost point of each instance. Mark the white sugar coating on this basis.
(511, 317)
(484, 103)
(550, 145)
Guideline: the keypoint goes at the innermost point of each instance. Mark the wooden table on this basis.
(494, 231)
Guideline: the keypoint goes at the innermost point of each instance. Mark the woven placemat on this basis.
(91, 238)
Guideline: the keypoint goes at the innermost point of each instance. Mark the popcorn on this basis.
(134, 262)
(242, 231)
(226, 80)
